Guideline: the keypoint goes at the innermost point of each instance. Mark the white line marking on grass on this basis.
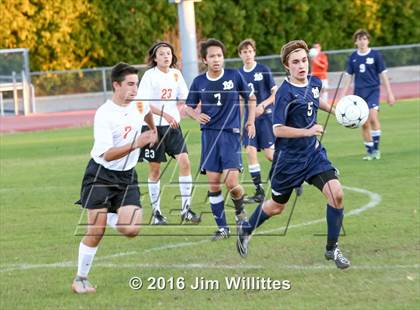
(203, 266)
(375, 199)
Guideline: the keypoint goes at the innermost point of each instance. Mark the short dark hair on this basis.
(204, 45)
(245, 43)
(152, 54)
(291, 46)
(360, 33)
(120, 70)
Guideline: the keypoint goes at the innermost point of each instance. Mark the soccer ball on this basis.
(352, 111)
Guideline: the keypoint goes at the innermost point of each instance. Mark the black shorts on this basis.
(318, 181)
(104, 188)
(171, 142)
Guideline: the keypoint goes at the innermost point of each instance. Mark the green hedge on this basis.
(71, 34)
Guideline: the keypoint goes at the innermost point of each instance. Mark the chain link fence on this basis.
(89, 88)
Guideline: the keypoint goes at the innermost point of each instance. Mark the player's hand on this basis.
(391, 99)
(203, 118)
(251, 130)
(259, 110)
(148, 137)
(171, 121)
(315, 130)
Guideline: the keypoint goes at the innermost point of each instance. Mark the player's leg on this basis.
(87, 250)
(375, 126)
(255, 172)
(269, 153)
(236, 192)
(154, 193)
(217, 205)
(185, 188)
(330, 186)
(367, 138)
(129, 220)
(263, 212)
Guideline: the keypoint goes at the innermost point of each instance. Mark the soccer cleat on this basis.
(257, 198)
(221, 233)
(339, 259)
(190, 216)
(82, 285)
(242, 240)
(368, 157)
(241, 216)
(376, 154)
(158, 219)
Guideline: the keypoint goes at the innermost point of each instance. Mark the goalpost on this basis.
(14, 79)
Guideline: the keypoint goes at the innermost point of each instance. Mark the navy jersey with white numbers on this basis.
(296, 106)
(261, 82)
(366, 68)
(219, 99)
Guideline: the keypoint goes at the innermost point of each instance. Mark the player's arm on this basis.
(171, 120)
(385, 80)
(283, 131)
(325, 106)
(265, 103)
(118, 152)
(250, 124)
(202, 118)
(148, 119)
(348, 78)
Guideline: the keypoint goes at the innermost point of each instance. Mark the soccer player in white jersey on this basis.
(368, 68)
(165, 89)
(110, 180)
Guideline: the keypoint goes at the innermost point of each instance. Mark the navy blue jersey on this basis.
(261, 81)
(296, 106)
(366, 68)
(219, 99)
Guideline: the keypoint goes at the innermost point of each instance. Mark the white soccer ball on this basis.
(352, 111)
(313, 52)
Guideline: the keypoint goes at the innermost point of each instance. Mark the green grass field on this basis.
(40, 232)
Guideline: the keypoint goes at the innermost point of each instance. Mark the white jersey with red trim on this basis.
(163, 90)
(116, 126)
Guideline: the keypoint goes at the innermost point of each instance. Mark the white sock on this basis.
(185, 187)
(86, 255)
(154, 194)
(112, 220)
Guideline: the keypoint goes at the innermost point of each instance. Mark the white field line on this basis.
(375, 199)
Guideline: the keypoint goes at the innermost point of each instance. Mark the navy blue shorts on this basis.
(264, 136)
(371, 96)
(220, 150)
(287, 174)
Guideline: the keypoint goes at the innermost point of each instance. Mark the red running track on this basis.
(45, 121)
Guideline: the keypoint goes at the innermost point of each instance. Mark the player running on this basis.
(218, 91)
(298, 155)
(110, 191)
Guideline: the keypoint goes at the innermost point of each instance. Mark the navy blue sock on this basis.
(334, 221)
(369, 147)
(257, 218)
(255, 172)
(376, 137)
(218, 209)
